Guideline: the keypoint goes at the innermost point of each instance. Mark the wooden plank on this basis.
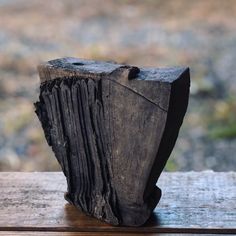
(30, 233)
(192, 202)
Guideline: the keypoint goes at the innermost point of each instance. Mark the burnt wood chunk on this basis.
(112, 128)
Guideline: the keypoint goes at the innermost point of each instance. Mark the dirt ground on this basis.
(199, 34)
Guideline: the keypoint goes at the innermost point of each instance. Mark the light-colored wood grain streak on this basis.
(192, 202)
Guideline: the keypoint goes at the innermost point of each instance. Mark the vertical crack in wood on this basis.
(72, 116)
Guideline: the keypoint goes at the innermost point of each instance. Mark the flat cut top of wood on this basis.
(192, 202)
(83, 68)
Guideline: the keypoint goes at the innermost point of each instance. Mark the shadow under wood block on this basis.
(112, 128)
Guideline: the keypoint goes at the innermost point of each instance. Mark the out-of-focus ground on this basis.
(200, 34)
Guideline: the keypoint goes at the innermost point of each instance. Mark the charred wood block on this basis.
(112, 128)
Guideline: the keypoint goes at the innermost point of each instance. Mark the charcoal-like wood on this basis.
(192, 202)
(112, 128)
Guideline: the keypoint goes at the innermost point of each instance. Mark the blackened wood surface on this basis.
(112, 128)
(193, 202)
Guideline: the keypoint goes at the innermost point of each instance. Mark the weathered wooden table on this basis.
(192, 202)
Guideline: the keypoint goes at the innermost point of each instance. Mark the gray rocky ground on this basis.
(200, 34)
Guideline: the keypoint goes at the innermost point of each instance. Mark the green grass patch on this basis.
(220, 132)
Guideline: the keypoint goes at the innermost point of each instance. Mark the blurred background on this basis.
(199, 34)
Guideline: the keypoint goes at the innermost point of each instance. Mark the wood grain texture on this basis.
(193, 202)
(30, 233)
(112, 128)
